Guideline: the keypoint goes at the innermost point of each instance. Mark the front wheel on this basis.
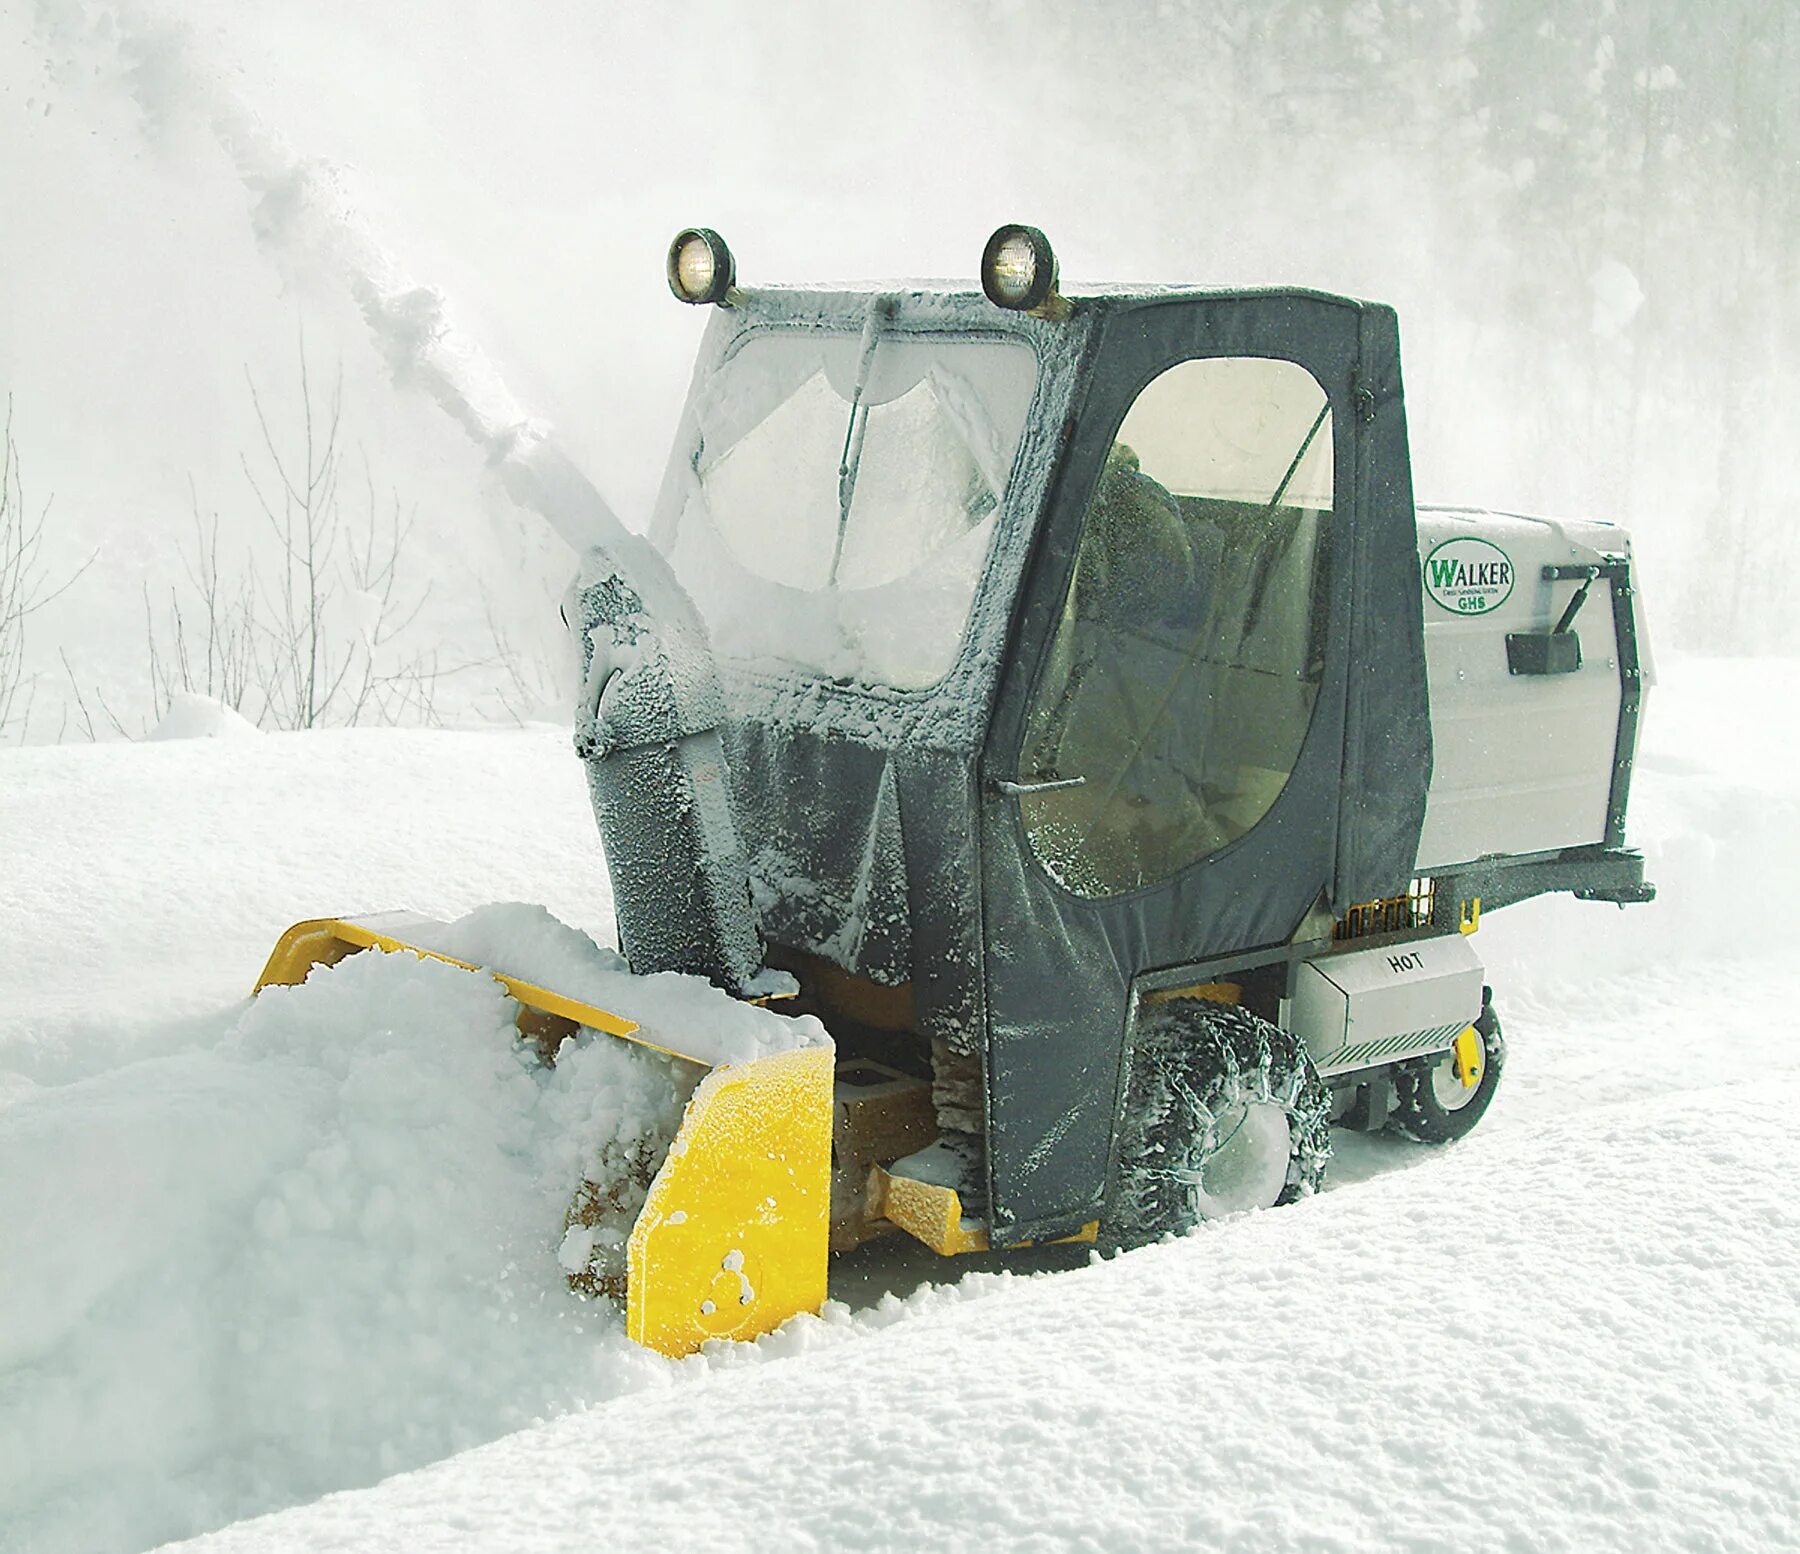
(1439, 1099)
(1224, 1114)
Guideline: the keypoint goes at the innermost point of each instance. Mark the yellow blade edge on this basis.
(934, 1215)
(733, 1238)
(324, 941)
(927, 1213)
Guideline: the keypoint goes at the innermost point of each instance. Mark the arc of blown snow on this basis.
(302, 216)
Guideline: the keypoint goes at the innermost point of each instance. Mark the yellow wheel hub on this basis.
(1467, 1058)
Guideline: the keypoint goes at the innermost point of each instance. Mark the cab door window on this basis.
(1183, 671)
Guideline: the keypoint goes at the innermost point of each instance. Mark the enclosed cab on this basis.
(1081, 682)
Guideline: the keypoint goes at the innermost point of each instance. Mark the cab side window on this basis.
(1182, 675)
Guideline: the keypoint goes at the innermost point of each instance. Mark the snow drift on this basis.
(1565, 1339)
(317, 1246)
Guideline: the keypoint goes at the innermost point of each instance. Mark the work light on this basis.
(1018, 268)
(701, 268)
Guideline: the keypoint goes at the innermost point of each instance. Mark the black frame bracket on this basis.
(1617, 572)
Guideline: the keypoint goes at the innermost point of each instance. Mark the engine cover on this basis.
(1366, 1007)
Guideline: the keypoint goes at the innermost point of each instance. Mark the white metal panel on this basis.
(1319, 1012)
(1379, 1005)
(1521, 763)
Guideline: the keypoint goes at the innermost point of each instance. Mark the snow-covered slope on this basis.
(255, 1253)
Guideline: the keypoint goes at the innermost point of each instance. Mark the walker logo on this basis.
(1468, 576)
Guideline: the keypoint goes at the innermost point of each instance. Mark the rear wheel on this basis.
(1434, 1102)
(1224, 1114)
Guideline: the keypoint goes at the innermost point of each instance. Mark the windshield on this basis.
(848, 557)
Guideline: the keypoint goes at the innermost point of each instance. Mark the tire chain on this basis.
(1192, 1061)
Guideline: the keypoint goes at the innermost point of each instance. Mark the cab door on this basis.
(1164, 772)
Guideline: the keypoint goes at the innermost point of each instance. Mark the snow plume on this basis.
(304, 220)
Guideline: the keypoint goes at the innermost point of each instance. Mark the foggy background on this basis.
(1587, 215)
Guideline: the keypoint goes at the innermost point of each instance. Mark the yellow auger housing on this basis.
(732, 1238)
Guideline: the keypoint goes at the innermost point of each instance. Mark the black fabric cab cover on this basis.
(883, 825)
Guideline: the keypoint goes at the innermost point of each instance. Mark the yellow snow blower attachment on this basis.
(732, 1236)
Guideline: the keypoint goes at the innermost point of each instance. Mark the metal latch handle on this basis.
(1048, 785)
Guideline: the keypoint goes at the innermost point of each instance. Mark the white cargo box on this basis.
(1521, 763)
(1363, 1007)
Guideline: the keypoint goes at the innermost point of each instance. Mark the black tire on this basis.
(1420, 1110)
(1195, 1065)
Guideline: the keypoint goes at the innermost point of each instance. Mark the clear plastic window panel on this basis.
(1185, 666)
(865, 573)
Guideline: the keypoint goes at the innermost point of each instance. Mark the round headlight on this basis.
(701, 268)
(1018, 268)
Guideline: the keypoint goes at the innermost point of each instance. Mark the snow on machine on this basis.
(1064, 700)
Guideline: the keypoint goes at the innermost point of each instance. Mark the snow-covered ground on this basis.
(252, 1255)
(256, 1253)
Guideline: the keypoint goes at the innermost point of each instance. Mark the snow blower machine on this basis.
(1064, 700)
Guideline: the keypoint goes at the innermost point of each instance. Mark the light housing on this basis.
(1018, 269)
(701, 268)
